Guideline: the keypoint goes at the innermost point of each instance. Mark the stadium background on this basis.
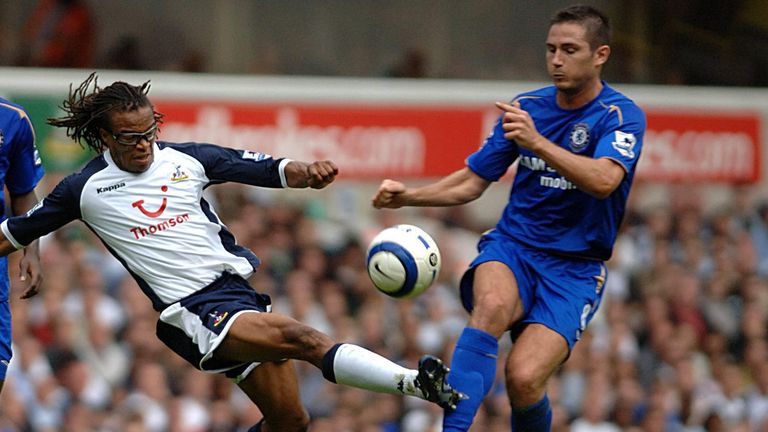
(406, 90)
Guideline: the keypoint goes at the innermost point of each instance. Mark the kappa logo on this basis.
(2, 138)
(34, 208)
(101, 190)
(624, 143)
(153, 214)
(579, 137)
(178, 174)
(218, 318)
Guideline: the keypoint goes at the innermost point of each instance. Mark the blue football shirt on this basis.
(545, 210)
(20, 166)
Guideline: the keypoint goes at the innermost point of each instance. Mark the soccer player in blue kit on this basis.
(144, 199)
(540, 274)
(20, 171)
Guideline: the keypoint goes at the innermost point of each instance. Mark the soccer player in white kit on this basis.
(144, 199)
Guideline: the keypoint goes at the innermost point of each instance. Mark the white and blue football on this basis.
(403, 261)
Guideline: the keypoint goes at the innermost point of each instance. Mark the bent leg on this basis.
(269, 337)
(274, 388)
(496, 306)
(534, 357)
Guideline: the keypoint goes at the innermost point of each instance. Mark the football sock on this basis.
(355, 366)
(533, 418)
(473, 371)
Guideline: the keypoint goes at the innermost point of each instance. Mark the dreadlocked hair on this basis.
(88, 110)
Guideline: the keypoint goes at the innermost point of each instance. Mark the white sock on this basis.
(357, 367)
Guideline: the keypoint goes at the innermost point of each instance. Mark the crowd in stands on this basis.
(680, 342)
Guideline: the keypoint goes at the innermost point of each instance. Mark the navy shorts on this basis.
(195, 326)
(561, 293)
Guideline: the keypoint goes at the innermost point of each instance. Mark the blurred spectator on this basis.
(412, 64)
(757, 398)
(104, 355)
(58, 33)
(190, 409)
(81, 384)
(597, 404)
(48, 405)
(125, 54)
(719, 307)
(192, 61)
(750, 30)
(150, 396)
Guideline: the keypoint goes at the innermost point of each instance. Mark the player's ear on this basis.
(104, 134)
(601, 54)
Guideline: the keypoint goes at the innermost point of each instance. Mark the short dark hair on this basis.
(598, 28)
(88, 111)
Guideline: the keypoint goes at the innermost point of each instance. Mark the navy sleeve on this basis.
(224, 164)
(60, 207)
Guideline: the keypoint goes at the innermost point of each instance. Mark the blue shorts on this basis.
(561, 293)
(5, 319)
(195, 326)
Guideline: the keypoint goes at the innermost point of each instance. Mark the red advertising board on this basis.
(376, 141)
(365, 141)
(693, 147)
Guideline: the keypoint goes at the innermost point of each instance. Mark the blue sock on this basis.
(533, 418)
(473, 371)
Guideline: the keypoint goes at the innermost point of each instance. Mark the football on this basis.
(403, 261)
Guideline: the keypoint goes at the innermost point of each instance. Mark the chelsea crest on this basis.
(579, 137)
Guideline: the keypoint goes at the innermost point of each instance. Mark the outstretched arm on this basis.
(29, 266)
(316, 175)
(459, 187)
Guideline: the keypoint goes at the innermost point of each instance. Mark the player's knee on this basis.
(311, 343)
(524, 378)
(490, 312)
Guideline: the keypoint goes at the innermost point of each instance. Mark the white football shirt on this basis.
(157, 222)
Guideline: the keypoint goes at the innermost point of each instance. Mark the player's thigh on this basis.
(274, 388)
(272, 336)
(536, 354)
(496, 297)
